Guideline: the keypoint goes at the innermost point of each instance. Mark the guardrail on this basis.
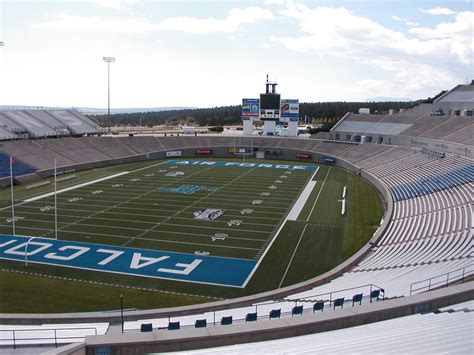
(442, 280)
(47, 335)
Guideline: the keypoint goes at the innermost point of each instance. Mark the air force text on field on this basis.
(243, 165)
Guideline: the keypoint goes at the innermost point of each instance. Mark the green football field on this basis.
(147, 207)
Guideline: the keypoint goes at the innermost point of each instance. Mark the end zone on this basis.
(158, 264)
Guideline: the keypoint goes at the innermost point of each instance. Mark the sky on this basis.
(207, 53)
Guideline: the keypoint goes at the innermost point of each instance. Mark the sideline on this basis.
(88, 183)
(301, 202)
(275, 236)
(75, 187)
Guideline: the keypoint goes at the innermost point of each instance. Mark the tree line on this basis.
(230, 115)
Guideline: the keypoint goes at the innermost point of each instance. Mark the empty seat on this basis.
(374, 294)
(357, 298)
(226, 320)
(251, 317)
(146, 327)
(339, 302)
(318, 306)
(173, 326)
(200, 323)
(297, 310)
(275, 313)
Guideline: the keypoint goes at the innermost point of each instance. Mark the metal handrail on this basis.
(313, 298)
(15, 332)
(442, 283)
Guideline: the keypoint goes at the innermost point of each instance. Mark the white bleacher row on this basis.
(460, 196)
(430, 250)
(417, 166)
(431, 224)
(446, 332)
(44, 123)
(49, 333)
(395, 281)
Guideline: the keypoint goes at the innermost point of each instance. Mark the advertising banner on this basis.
(250, 107)
(174, 153)
(290, 108)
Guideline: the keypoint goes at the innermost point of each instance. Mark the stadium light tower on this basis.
(108, 60)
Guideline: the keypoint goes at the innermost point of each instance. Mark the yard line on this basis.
(291, 260)
(112, 207)
(148, 240)
(317, 197)
(192, 204)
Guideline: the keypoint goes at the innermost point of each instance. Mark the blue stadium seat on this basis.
(226, 320)
(357, 298)
(274, 313)
(374, 294)
(318, 306)
(19, 167)
(251, 317)
(339, 302)
(200, 323)
(297, 310)
(173, 326)
(146, 327)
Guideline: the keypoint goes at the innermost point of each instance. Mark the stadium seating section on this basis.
(20, 124)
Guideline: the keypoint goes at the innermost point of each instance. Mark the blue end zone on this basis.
(242, 165)
(129, 261)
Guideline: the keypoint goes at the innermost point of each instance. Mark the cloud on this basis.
(65, 22)
(458, 33)
(114, 4)
(428, 57)
(407, 21)
(438, 11)
(235, 18)
(231, 23)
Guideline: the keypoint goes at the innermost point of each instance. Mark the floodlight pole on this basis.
(55, 203)
(108, 60)
(121, 310)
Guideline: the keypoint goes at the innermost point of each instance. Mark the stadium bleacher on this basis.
(18, 168)
(44, 123)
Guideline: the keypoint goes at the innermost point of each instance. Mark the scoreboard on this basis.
(270, 107)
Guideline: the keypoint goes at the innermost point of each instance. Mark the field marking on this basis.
(112, 236)
(107, 284)
(268, 245)
(319, 193)
(152, 229)
(31, 199)
(303, 197)
(116, 205)
(292, 257)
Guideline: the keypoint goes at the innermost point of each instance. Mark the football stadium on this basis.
(274, 225)
(133, 244)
